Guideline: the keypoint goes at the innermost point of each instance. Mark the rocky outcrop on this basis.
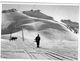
(9, 10)
(73, 26)
(38, 14)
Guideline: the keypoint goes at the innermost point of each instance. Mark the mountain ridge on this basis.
(72, 26)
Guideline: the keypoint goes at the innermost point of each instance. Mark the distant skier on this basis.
(37, 40)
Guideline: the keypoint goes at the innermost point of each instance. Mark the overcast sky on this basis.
(58, 12)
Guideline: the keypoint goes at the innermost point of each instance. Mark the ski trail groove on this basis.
(29, 47)
(50, 53)
(52, 56)
(31, 55)
(21, 45)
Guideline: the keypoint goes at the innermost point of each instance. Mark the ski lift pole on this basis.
(22, 34)
(10, 36)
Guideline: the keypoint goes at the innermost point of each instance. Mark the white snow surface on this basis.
(28, 50)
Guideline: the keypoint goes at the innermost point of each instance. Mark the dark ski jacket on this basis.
(37, 39)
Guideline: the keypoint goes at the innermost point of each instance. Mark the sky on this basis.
(58, 12)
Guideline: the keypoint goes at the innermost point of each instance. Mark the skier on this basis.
(37, 40)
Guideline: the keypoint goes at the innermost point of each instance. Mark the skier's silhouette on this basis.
(37, 40)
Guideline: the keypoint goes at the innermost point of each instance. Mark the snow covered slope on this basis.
(12, 23)
(53, 34)
(73, 26)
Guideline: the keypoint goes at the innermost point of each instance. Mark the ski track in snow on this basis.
(31, 52)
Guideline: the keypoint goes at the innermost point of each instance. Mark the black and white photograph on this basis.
(39, 31)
